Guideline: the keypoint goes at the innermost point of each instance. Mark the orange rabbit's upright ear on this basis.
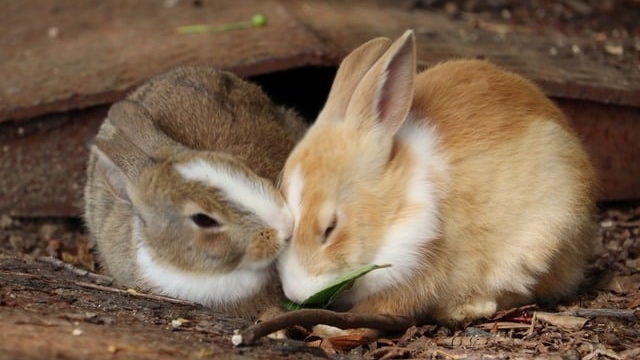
(349, 74)
(384, 95)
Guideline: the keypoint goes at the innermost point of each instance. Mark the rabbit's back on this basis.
(225, 113)
(179, 196)
(521, 198)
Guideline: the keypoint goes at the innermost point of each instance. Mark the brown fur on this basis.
(188, 113)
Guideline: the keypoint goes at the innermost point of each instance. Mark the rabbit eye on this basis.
(204, 220)
(329, 229)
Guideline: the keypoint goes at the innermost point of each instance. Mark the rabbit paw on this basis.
(474, 309)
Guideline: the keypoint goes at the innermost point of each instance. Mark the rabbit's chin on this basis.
(202, 288)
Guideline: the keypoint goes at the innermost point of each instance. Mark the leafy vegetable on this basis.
(325, 297)
(258, 20)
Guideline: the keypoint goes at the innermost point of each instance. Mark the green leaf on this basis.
(290, 305)
(325, 297)
(258, 20)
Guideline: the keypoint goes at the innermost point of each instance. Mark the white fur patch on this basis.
(290, 274)
(420, 226)
(249, 194)
(297, 283)
(291, 271)
(209, 290)
(294, 193)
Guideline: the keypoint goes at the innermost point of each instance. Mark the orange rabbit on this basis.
(465, 178)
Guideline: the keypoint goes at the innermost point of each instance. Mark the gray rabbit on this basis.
(180, 196)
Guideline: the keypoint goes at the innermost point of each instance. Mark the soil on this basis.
(48, 311)
(51, 311)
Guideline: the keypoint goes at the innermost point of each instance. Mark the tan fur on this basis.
(513, 162)
(187, 114)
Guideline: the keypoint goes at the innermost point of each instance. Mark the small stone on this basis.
(236, 338)
(175, 324)
(53, 32)
(5, 221)
(575, 49)
(47, 230)
(606, 223)
(614, 49)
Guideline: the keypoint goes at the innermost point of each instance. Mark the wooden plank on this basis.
(588, 75)
(611, 135)
(102, 49)
(43, 163)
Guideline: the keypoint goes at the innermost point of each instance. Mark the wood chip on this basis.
(565, 322)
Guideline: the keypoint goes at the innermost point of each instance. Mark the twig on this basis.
(136, 294)
(612, 313)
(101, 279)
(600, 352)
(311, 317)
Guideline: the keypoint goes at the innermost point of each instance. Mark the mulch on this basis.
(602, 321)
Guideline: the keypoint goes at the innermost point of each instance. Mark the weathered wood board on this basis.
(64, 62)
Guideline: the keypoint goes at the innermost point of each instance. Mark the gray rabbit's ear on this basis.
(115, 177)
(136, 124)
(119, 159)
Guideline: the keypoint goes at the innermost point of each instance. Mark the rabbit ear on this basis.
(116, 178)
(119, 158)
(384, 95)
(136, 123)
(349, 74)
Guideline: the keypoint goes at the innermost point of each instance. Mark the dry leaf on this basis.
(53, 246)
(626, 284)
(83, 256)
(514, 313)
(390, 352)
(562, 321)
(634, 303)
(323, 344)
(348, 342)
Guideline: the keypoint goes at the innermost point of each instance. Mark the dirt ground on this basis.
(48, 311)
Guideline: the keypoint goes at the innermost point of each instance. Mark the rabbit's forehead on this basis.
(312, 177)
(312, 206)
(252, 194)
